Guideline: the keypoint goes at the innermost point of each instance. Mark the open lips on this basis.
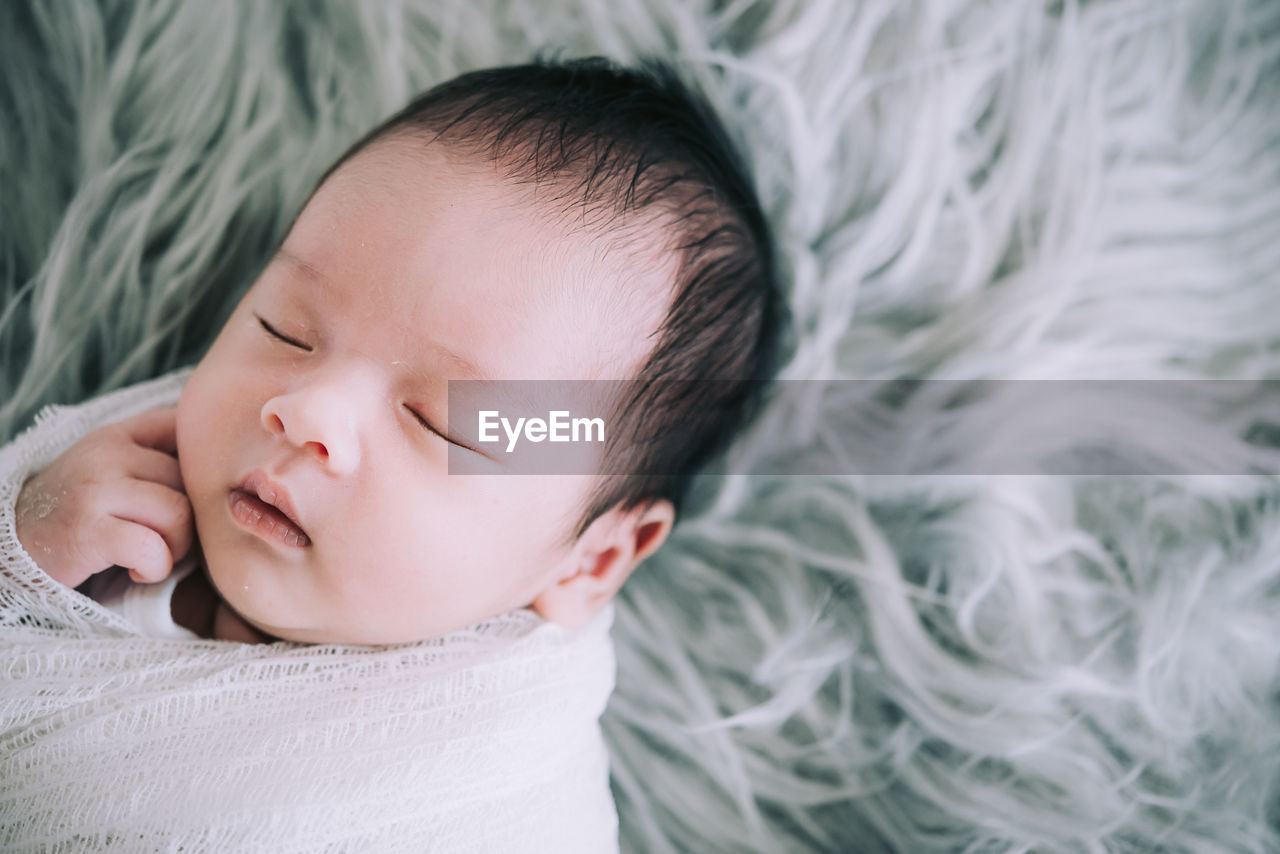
(264, 506)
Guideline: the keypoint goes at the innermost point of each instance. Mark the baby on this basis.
(562, 221)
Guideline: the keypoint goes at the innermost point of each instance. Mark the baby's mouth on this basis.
(266, 520)
(264, 506)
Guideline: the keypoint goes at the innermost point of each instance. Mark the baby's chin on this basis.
(228, 625)
(237, 615)
(255, 612)
(244, 612)
(240, 617)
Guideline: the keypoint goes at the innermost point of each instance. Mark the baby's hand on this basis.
(115, 498)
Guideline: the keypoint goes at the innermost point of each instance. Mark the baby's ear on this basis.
(602, 559)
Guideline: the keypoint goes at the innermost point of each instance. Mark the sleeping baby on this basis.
(572, 223)
(564, 221)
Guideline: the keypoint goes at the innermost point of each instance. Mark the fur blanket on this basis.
(962, 189)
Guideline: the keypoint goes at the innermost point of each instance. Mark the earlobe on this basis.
(602, 559)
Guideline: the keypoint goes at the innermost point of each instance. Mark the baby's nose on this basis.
(318, 418)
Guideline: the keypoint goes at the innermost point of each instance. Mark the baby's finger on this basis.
(155, 429)
(165, 511)
(154, 466)
(123, 543)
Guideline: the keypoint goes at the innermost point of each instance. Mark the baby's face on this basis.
(407, 268)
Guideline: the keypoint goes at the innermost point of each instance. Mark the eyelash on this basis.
(424, 422)
(286, 339)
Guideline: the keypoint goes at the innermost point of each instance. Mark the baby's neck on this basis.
(196, 606)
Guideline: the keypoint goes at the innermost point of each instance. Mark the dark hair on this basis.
(617, 143)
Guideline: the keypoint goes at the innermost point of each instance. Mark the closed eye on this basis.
(271, 330)
(425, 423)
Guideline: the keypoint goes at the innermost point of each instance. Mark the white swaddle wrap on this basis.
(485, 740)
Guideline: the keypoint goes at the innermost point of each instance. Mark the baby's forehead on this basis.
(560, 206)
(494, 251)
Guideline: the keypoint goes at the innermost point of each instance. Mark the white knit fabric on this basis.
(485, 740)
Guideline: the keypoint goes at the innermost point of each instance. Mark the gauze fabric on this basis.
(484, 740)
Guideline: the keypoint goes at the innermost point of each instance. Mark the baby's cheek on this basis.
(182, 437)
(187, 438)
(199, 481)
(187, 420)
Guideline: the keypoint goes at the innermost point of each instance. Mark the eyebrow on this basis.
(463, 365)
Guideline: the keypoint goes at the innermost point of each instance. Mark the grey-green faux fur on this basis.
(961, 189)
